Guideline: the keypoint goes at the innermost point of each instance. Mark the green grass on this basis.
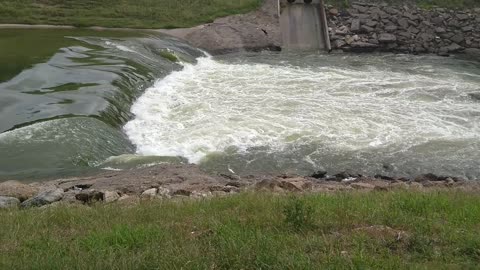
(251, 231)
(121, 13)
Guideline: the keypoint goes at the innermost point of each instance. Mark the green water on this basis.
(64, 95)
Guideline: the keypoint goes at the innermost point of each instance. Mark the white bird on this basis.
(230, 169)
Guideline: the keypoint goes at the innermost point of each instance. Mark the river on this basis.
(75, 102)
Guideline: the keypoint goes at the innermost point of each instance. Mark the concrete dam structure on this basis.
(304, 25)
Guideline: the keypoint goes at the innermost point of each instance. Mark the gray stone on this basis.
(387, 38)
(355, 25)
(413, 30)
(8, 202)
(44, 198)
(371, 23)
(458, 38)
(339, 43)
(468, 28)
(391, 10)
(89, 196)
(403, 23)
(391, 28)
(438, 21)
(463, 17)
(452, 48)
(440, 30)
(367, 29)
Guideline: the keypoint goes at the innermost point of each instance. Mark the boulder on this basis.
(17, 190)
(403, 23)
(149, 193)
(44, 198)
(89, 196)
(8, 202)
(463, 17)
(387, 38)
(296, 184)
(391, 28)
(110, 196)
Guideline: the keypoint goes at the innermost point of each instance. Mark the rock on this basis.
(362, 186)
(403, 23)
(438, 21)
(8, 202)
(468, 28)
(333, 12)
(371, 23)
(462, 17)
(366, 29)
(339, 43)
(149, 193)
(355, 27)
(399, 185)
(268, 185)
(164, 193)
(391, 10)
(44, 198)
(454, 48)
(440, 30)
(110, 196)
(387, 38)
(89, 196)
(182, 192)
(416, 186)
(363, 47)
(17, 190)
(319, 174)
(413, 30)
(296, 184)
(458, 38)
(391, 28)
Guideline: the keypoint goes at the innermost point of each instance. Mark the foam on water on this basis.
(346, 104)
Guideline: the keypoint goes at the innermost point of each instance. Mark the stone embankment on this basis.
(366, 27)
(189, 182)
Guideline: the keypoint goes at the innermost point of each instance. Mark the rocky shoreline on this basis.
(189, 182)
(366, 27)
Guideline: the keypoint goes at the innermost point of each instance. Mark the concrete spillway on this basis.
(304, 25)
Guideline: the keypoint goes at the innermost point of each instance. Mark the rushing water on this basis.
(395, 115)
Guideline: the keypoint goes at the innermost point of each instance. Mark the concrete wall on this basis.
(303, 25)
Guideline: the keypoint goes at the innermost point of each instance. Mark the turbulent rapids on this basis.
(116, 103)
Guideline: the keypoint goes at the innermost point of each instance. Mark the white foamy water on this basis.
(350, 108)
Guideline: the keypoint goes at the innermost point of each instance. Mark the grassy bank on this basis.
(125, 13)
(251, 231)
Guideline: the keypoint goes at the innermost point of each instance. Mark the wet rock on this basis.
(17, 190)
(8, 202)
(475, 96)
(110, 196)
(363, 47)
(44, 198)
(387, 38)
